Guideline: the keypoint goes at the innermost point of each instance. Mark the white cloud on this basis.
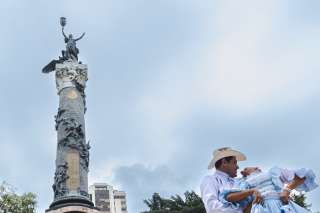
(248, 66)
(140, 182)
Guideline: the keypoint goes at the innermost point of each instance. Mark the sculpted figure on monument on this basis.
(71, 49)
(73, 129)
(74, 134)
(60, 178)
(84, 155)
(74, 139)
(71, 52)
(58, 119)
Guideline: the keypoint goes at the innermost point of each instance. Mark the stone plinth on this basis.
(73, 209)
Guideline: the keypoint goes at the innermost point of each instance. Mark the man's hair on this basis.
(219, 162)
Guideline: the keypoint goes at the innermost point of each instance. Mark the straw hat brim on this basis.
(226, 153)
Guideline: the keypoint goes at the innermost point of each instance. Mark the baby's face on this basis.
(249, 170)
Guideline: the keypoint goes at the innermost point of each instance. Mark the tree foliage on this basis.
(191, 203)
(10, 202)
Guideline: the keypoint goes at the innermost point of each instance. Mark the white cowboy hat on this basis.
(225, 152)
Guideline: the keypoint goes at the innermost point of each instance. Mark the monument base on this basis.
(72, 205)
(73, 209)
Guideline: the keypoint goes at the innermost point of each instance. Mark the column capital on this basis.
(71, 74)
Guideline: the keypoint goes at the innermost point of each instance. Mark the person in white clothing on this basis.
(225, 161)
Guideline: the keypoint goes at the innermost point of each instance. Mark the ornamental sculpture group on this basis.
(70, 53)
(72, 159)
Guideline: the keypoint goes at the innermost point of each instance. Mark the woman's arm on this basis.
(64, 35)
(248, 208)
(284, 196)
(80, 37)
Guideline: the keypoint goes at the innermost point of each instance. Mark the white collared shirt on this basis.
(211, 186)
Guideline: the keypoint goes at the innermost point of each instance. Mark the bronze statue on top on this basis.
(71, 52)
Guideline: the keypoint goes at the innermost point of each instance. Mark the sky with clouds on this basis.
(169, 82)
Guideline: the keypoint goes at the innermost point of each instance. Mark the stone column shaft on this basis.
(72, 159)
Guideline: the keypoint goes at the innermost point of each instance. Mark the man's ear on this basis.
(223, 162)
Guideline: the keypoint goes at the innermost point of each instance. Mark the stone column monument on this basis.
(72, 160)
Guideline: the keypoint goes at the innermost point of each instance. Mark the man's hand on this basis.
(284, 196)
(247, 209)
(257, 197)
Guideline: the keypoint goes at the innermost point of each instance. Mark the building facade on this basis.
(107, 199)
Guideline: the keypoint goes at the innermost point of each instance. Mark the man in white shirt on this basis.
(225, 162)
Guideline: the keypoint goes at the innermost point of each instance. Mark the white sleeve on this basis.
(210, 197)
(308, 175)
(287, 175)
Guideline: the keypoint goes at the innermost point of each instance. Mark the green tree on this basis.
(10, 202)
(156, 202)
(300, 199)
(191, 203)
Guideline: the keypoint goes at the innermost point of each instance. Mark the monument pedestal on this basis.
(73, 209)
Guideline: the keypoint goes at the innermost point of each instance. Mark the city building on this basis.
(107, 199)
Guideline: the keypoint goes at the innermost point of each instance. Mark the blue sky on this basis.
(169, 82)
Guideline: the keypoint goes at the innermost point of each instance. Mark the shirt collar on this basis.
(222, 174)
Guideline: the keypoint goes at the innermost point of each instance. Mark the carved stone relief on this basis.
(60, 178)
